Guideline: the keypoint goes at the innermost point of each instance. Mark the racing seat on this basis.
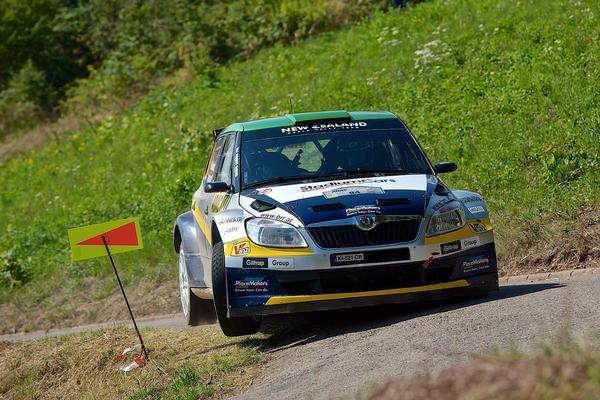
(268, 165)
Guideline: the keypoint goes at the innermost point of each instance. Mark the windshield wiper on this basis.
(279, 179)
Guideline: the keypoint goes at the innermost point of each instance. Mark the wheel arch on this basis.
(186, 234)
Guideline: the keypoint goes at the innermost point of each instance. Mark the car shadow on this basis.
(290, 330)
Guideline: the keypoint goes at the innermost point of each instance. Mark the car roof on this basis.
(299, 118)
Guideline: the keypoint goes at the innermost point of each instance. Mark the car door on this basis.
(208, 204)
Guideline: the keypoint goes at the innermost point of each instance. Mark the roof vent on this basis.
(302, 118)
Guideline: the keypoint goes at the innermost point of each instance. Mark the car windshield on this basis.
(311, 156)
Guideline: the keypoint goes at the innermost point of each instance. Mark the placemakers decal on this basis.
(363, 210)
(352, 190)
(325, 185)
(476, 209)
(323, 127)
(251, 285)
(476, 263)
(241, 248)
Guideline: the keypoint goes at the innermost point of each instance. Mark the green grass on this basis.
(183, 364)
(508, 90)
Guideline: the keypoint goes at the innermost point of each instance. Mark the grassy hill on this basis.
(508, 90)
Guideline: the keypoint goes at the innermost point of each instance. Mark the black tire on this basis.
(230, 326)
(196, 311)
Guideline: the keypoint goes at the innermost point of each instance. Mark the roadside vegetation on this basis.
(507, 90)
(94, 57)
(183, 364)
(559, 371)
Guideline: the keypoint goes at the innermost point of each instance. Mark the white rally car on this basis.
(326, 210)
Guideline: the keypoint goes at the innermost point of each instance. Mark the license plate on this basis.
(351, 258)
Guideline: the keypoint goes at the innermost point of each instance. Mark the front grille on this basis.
(352, 236)
(360, 279)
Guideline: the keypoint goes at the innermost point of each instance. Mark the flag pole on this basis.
(105, 240)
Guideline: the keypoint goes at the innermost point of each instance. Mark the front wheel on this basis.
(230, 326)
(196, 311)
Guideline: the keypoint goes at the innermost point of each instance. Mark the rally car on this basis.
(326, 210)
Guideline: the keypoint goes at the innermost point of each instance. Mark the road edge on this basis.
(543, 276)
(166, 320)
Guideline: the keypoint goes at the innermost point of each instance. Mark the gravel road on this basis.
(340, 354)
(343, 354)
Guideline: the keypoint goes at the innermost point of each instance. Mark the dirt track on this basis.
(341, 353)
(347, 352)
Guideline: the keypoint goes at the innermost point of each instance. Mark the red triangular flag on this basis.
(125, 235)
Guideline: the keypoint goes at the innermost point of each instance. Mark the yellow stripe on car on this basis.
(202, 224)
(275, 300)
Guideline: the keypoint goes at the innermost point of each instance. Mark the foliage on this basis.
(12, 272)
(93, 51)
(20, 101)
(507, 91)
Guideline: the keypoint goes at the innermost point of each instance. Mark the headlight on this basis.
(267, 232)
(448, 218)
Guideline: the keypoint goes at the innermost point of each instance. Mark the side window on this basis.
(224, 167)
(215, 157)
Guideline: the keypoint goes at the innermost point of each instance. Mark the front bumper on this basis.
(265, 291)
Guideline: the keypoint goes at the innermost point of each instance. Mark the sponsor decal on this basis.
(348, 258)
(476, 209)
(470, 242)
(281, 263)
(471, 199)
(255, 263)
(230, 220)
(440, 204)
(241, 248)
(277, 217)
(260, 191)
(326, 185)
(363, 210)
(231, 229)
(323, 127)
(236, 160)
(476, 263)
(451, 247)
(251, 285)
(478, 227)
(351, 191)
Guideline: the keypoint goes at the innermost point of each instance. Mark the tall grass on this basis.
(508, 90)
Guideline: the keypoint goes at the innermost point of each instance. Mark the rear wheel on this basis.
(196, 311)
(230, 326)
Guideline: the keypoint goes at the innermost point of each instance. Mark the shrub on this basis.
(12, 272)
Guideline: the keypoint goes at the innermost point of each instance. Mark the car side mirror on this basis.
(444, 167)
(216, 187)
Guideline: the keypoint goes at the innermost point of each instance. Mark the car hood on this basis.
(315, 202)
